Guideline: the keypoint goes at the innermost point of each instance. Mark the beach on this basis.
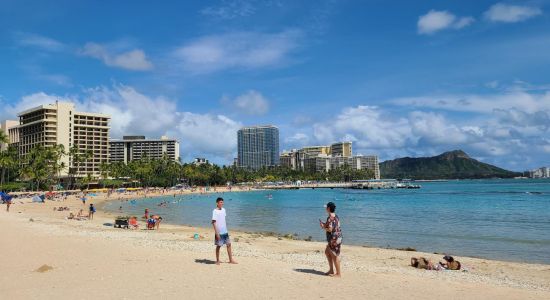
(47, 256)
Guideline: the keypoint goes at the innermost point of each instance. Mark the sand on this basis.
(45, 256)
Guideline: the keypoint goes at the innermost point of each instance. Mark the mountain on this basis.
(449, 165)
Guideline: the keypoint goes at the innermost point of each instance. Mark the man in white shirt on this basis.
(220, 231)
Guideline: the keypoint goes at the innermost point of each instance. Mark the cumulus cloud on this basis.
(508, 13)
(435, 21)
(248, 50)
(369, 126)
(434, 129)
(132, 112)
(134, 60)
(502, 131)
(250, 103)
(208, 134)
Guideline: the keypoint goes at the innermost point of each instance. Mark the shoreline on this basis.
(91, 250)
(296, 237)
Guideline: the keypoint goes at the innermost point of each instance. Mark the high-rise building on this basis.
(341, 149)
(137, 147)
(9, 127)
(258, 146)
(60, 124)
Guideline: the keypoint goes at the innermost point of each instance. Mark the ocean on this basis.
(503, 219)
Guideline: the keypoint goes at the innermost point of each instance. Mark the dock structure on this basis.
(356, 184)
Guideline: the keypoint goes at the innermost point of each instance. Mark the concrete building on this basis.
(289, 159)
(341, 149)
(137, 147)
(543, 172)
(366, 162)
(10, 129)
(200, 161)
(258, 146)
(326, 158)
(60, 124)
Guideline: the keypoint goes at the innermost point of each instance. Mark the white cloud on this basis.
(298, 140)
(207, 134)
(39, 41)
(528, 102)
(248, 50)
(135, 59)
(435, 130)
(435, 21)
(498, 130)
(250, 103)
(229, 10)
(213, 136)
(369, 125)
(501, 12)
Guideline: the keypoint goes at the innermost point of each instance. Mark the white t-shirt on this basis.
(218, 215)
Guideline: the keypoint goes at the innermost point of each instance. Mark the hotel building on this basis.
(137, 147)
(10, 129)
(258, 146)
(326, 158)
(60, 124)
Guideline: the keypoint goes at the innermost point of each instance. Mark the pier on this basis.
(356, 184)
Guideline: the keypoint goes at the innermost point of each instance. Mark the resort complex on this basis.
(138, 147)
(60, 124)
(326, 158)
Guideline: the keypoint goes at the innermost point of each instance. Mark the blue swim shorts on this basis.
(224, 240)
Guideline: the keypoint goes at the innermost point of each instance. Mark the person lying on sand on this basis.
(450, 263)
(423, 263)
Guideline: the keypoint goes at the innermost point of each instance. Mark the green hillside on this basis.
(449, 165)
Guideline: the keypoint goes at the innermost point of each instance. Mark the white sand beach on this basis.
(46, 256)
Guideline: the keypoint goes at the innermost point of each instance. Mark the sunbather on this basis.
(450, 263)
(423, 263)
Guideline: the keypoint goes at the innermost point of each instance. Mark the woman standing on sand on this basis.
(334, 240)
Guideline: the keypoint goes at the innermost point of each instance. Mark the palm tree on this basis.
(76, 158)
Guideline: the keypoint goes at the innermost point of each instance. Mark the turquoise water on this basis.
(496, 219)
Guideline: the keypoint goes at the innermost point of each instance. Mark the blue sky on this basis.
(398, 78)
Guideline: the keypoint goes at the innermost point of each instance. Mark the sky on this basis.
(397, 78)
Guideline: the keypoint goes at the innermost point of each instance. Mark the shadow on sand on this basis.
(310, 271)
(205, 261)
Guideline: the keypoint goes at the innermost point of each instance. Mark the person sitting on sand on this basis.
(151, 223)
(71, 216)
(334, 240)
(450, 263)
(133, 222)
